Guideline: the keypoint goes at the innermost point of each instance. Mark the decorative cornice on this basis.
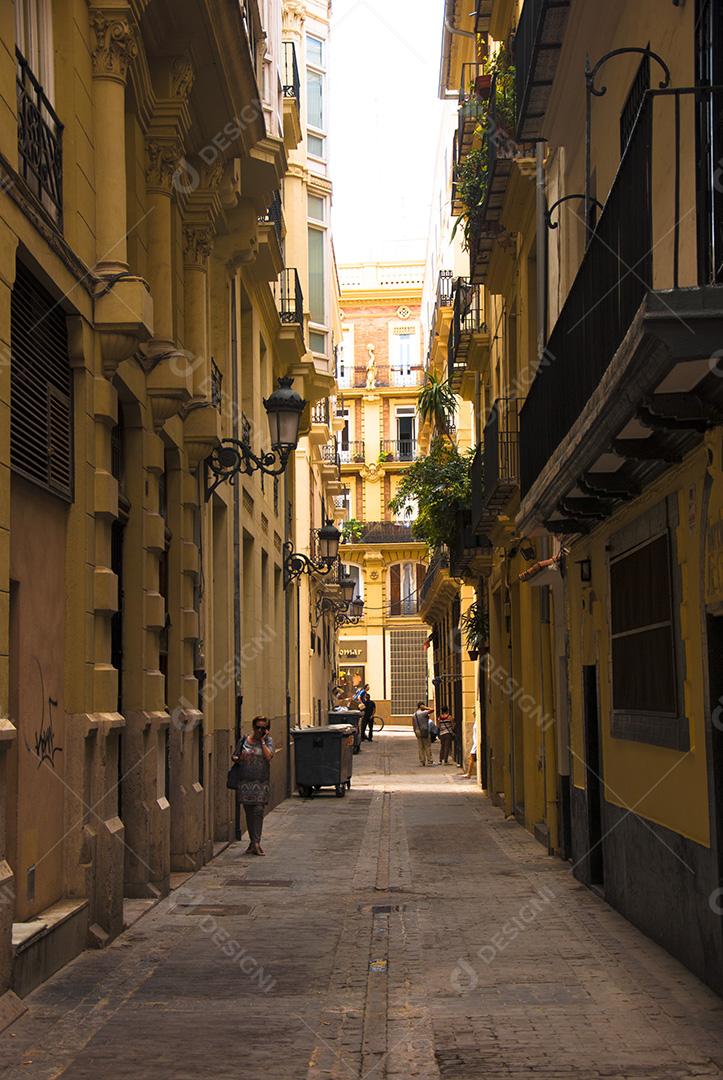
(294, 14)
(197, 245)
(115, 46)
(182, 77)
(162, 158)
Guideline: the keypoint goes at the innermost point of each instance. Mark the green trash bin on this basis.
(323, 758)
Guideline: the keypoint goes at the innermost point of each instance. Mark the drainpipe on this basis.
(542, 233)
(236, 542)
(452, 31)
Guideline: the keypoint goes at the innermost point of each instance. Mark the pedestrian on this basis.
(420, 725)
(252, 758)
(445, 723)
(472, 763)
(370, 708)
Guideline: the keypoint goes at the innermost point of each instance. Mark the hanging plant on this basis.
(475, 627)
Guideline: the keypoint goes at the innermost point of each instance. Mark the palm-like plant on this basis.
(436, 403)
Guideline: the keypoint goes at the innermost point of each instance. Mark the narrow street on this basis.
(407, 931)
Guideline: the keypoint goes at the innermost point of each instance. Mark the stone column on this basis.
(197, 246)
(114, 37)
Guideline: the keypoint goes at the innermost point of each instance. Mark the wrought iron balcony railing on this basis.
(292, 82)
(467, 320)
(330, 453)
(274, 216)
(40, 142)
(501, 461)
(472, 113)
(438, 564)
(633, 249)
(445, 288)
(538, 41)
(352, 453)
(216, 385)
(320, 413)
(398, 449)
(290, 297)
(382, 532)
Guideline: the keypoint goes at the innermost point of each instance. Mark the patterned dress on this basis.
(254, 789)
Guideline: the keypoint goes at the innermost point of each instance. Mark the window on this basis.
(408, 670)
(317, 342)
(316, 208)
(403, 355)
(34, 33)
(344, 445)
(406, 433)
(644, 645)
(642, 629)
(356, 575)
(315, 96)
(317, 304)
(41, 418)
(405, 581)
(345, 358)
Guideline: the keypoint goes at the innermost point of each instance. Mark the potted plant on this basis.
(475, 625)
(482, 86)
(352, 531)
(386, 455)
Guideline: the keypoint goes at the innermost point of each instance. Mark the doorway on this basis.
(715, 683)
(406, 433)
(594, 780)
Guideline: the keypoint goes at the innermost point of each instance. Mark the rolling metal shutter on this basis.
(41, 405)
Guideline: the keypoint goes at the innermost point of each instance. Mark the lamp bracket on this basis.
(235, 456)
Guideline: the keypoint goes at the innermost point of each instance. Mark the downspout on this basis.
(287, 643)
(453, 31)
(238, 712)
(542, 231)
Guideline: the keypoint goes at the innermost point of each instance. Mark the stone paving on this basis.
(405, 931)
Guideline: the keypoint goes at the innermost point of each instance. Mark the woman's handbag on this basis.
(433, 731)
(236, 772)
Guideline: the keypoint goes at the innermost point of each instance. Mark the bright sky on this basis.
(385, 117)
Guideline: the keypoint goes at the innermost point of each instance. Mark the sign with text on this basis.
(353, 652)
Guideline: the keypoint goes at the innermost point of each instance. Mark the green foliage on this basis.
(440, 484)
(352, 531)
(472, 176)
(475, 626)
(436, 403)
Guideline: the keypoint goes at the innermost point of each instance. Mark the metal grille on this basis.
(41, 435)
(408, 670)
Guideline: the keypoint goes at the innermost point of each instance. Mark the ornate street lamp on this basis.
(296, 563)
(348, 586)
(338, 605)
(354, 615)
(283, 408)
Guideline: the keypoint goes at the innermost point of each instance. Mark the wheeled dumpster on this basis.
(323, 758)
(349, 716)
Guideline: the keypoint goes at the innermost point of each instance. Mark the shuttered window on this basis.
(643, 633)
(41, 409)
(405, 581)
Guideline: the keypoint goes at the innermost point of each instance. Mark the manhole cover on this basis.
(211, 909)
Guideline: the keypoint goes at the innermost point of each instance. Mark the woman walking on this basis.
(253, 756)
(445, 723)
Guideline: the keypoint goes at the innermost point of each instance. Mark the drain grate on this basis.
(259, 883)
(211, 909)
(381, 909)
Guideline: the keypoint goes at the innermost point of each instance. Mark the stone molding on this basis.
(115, 43)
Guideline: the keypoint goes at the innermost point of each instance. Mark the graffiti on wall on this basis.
(44, 746)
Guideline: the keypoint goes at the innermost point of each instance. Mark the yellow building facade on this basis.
(379, 372)
(149, 306)
(584, 334)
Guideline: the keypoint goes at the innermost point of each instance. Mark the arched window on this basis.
(405, 581)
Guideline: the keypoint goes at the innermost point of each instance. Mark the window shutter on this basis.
(395, 590)
(421, 575)
(41, 409)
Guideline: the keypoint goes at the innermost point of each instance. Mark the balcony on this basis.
(626, 385)
(502, 151)
(40, 143)
(290, 306)
(408, 377)
(445, 289)
(270, 259)
(352, 453)
(498, 464)
(216, 386)
(483, 16)
(467, 327)
(470, 553)
(330, 453)
(472, 113)
(383, 532)
(291, 89)
(321, 413)
(398, 450)
(537, 50)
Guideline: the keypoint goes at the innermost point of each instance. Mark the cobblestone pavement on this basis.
(406, 931)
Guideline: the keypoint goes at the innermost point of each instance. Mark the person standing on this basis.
(472, 763)
(370, 708)
(420, 724)
(445, 723)
(253, 755)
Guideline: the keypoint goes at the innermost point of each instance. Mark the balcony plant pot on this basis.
(482, 87)
(358, 459)
(473, 654)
